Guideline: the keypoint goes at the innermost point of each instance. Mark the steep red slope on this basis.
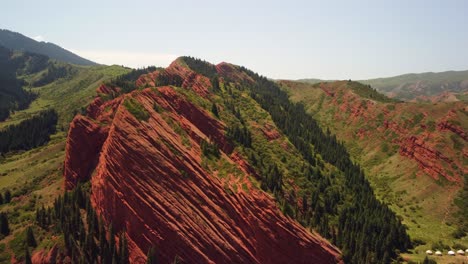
(84, 142)
(150, 182)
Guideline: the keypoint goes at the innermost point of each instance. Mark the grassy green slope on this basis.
(68, 95)
(425, 204)
(35, 177)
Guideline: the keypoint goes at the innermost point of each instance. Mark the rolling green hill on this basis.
(448, 86)
(17, 41)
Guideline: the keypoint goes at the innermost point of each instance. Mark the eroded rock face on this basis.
(84, 142)
(428, 159)
(47, 256)
(149, 181)
(445, 125)
(192, 80)
(230, 72)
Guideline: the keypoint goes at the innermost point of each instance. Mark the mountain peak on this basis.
(17, 41)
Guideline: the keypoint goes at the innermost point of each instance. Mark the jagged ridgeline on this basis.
(366, 230)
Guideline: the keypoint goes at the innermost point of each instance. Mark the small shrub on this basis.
(431, 126)
(136, 109)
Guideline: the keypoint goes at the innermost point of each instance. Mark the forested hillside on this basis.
(19, 42)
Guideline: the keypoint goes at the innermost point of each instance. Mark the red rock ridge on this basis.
(197, 82)
(46, 257)
(229, 71)
(270, 132)
(445, 125)
(428, 159)
(150, 182)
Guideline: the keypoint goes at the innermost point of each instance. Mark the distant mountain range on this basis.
(429, 86)
(16, 41)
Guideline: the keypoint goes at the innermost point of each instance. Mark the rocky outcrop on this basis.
(429, 160)
(149, 181)
(84, 142)
(230, 72)
(447, 126)
(196, 82)
(270, 132)
(47, 256)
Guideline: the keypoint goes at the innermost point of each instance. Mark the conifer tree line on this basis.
(240, 134)
(12, 95)
(215, 84)
(237, 133)
(200, 66)
(53, 73)
(127, 81)
(164, 79)
(29, 133)
(366, 230)
(88, 241)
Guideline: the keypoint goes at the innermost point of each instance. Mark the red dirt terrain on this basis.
(147, 179)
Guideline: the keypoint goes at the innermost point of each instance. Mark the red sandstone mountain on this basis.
(148, 179)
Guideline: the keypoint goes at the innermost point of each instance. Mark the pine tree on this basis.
(151, 257)
(215, 84)
(429, 261)
(214, 109)
(112, 248)
(102, 238)
(30, 239)
(123, 248)
(7, 196)
(27, 256)
(4, 226)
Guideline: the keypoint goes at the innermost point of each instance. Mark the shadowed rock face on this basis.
(149, 181)
(84, 142)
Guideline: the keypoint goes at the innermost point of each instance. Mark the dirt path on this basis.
(452, 192)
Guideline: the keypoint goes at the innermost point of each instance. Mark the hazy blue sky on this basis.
(280, 39)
